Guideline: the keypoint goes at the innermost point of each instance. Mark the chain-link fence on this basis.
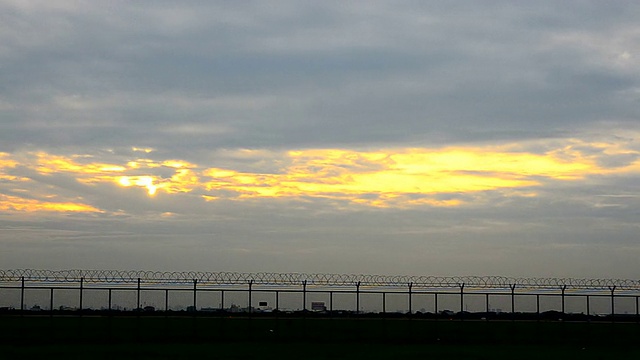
(253, 294)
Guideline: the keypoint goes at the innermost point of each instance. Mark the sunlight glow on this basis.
(388, 177)
(398, 177)
(14, 203)
(144, 150)
(141, 181)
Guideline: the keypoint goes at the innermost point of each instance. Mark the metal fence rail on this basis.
(432, 294)
(263, 278)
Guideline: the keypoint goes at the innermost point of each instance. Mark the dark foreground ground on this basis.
(159, 337)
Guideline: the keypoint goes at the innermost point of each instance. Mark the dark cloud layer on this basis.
(292, 74)
(198, 80)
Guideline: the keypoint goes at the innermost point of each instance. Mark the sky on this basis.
(375, 137)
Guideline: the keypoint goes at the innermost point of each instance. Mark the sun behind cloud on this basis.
(140, 181)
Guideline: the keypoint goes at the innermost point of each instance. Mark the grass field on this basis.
(158, 337)
(310, 350)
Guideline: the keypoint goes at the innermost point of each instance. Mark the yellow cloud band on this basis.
(14, 203)
(398, 177)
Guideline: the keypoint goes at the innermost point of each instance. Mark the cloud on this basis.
(388, 178)
(409, 134)
(290, 75)
(13, 203)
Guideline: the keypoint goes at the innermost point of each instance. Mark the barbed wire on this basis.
(266, 278)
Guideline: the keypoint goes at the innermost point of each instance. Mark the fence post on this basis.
(22, 295)
(461, 297)
(138, 295)
(331, 302)
(166, 300)
(277, 301)
(538, 305)
(513, 298)
(304, 295)
(410, 303)
(564, 287)
(486, 304)
(384, 302)
(250, 293)
(109, 299)
(222, 300)
(588, 307)
(613, 303)
(51, 301)
(195, 294)
(435, 303)
(81, 288)
(358, 298)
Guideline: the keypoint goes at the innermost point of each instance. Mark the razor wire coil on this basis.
(322, 279)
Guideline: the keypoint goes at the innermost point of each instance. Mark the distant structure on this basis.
(318, 306)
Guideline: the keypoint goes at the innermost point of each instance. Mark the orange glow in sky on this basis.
(392, 174)
(15, 203)
(401, 177)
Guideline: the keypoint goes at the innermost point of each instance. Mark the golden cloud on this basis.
(391, 175)
(398, 177)
(14, 203)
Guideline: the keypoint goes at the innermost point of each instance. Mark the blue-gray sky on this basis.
(392, 137)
